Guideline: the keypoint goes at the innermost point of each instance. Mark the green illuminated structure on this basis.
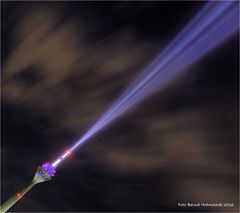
(43, 173)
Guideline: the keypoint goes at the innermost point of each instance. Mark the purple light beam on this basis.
(216, 23)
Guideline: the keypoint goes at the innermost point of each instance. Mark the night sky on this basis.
(64, 63)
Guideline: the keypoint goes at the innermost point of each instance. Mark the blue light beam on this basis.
(216, 23)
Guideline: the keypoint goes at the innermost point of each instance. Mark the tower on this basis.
(44, 173)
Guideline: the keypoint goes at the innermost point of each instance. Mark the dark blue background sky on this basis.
(63, 63)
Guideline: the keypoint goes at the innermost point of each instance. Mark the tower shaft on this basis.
(43, 173)
(11, 201)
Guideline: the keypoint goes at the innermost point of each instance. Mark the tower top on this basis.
(44, 173)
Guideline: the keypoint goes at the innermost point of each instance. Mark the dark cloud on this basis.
(63, 65)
